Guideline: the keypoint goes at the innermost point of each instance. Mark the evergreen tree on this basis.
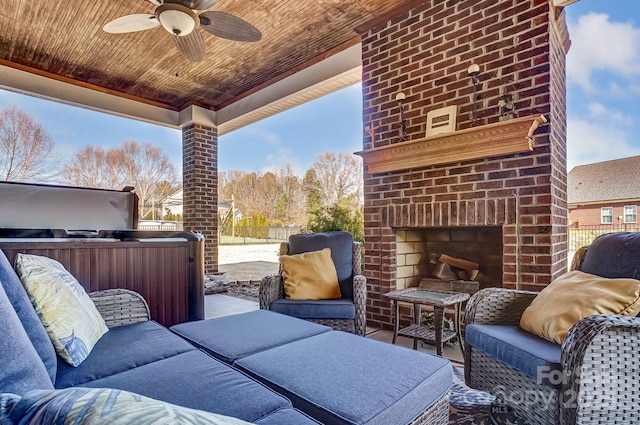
(313, 190)
(340, 217)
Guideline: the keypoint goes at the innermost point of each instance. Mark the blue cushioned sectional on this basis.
(227, 338)
(272, 360)
(30, 320)
(22, 370)
(525, 352)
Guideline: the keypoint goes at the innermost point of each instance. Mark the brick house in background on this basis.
(604, 193)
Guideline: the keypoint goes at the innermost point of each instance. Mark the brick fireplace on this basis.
(418, 248)
(505, 211)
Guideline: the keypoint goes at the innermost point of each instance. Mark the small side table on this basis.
(439, 301)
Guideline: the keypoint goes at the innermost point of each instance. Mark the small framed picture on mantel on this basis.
(442, 120)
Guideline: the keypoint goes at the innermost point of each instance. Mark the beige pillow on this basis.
(574, 296)
(310, 276)
(66, 311)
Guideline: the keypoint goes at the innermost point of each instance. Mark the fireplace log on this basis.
(443, 271)
(450, 285)
(459, 262)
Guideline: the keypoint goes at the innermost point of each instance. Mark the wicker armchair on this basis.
(120, 307)
(599, 377)
(346, 254)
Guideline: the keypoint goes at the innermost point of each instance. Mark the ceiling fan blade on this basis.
(131, 23)
(194, 4)
(156, 2)
(230, 27)
(191, 46)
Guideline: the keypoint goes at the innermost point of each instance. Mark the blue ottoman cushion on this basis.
(196, 380)
(229, 338)
(316, 309)
(521, 350)
(289, 416)
(340, 378)
(121, 349)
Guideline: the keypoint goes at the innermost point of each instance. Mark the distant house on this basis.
(605, 193)
(173, 204)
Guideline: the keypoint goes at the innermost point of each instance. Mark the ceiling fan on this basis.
(180, 19)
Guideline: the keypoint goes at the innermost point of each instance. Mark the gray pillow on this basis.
(22, 369)
(27, 315)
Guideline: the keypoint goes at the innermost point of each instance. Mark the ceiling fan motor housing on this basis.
(177, 19)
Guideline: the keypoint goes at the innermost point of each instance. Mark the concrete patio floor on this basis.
(218, 305)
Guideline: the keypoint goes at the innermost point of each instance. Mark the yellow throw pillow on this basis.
(66, 311)
(574, 296)
(310, 276)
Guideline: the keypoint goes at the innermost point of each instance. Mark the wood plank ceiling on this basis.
(65, 40)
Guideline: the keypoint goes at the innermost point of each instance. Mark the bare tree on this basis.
(279, 196)
(146, 167)
(293, 201)
(25, 146)
(89, 168)
(268, 192)
(339, 177)
(243, 188)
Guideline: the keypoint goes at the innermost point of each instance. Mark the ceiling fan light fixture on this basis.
(176, 19)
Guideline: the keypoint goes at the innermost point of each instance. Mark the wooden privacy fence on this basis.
(257, 234)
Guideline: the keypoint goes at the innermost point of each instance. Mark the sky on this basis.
(603, 101)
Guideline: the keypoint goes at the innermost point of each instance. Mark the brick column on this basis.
(200, 187)
(559, 44)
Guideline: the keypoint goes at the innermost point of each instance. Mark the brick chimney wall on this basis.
(520, 46)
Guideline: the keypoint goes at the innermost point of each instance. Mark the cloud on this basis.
(279, 154)
(600, 112)
(271, 138)
(601, 45)
(600, 136)
(277, 161)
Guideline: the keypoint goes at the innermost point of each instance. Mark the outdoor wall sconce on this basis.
(473, 72)
(400, 98)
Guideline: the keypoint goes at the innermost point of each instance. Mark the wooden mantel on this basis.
(501, 138)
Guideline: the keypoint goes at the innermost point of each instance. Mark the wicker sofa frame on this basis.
(595, 354)
(272, 289)
(120, 307)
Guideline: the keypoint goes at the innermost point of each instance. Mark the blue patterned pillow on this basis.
(66, 311)
(93, 406)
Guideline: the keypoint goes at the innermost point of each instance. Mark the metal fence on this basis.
(159, 225)
(241, 234)
(584, 235)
